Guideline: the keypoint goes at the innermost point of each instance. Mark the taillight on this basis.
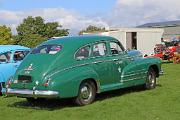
(46, 84)
(9, 82)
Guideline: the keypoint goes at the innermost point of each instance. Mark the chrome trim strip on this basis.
(133, 79)
(136, 71)
(133, 74)
(79, 66)
(30, 93)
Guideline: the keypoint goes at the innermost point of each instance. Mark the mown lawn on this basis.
(162, 103)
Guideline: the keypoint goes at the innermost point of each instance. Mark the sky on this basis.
(78, 14)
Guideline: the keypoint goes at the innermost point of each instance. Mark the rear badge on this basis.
(30, 68)
(37, 83)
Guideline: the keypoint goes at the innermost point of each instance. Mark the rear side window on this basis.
(83, 53)
(47, 49)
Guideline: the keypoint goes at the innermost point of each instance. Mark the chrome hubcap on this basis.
(151, 80)
(85, 93)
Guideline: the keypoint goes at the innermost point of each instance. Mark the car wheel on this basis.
(86, 94)
(151, 79)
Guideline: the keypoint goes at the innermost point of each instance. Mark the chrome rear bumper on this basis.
(30, 93)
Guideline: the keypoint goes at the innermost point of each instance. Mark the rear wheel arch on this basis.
(96, 83)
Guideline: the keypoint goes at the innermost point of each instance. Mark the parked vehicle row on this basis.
(79, 68)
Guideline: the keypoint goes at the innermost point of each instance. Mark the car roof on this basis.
(4, 48)
(78, 40)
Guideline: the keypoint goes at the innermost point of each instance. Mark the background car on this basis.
(79, 68)
(10, 58)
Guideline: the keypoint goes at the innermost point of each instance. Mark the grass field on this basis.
(162, 103)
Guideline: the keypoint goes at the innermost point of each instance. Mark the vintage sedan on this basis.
(79, 68)
(10, 58)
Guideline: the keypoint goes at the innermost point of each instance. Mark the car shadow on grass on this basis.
(50, 104)
(55, 104)
(120, 92)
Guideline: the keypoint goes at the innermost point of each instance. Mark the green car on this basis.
(79, 68)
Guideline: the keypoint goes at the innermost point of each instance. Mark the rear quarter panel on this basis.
(68, 81)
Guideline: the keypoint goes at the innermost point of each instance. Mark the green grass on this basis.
(162, 103)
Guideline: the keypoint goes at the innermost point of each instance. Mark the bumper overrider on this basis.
(30, 93)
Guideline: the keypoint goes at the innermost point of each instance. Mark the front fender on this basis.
(148, 62)
(68, 81)
(139, 68)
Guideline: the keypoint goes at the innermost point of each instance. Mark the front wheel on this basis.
(86, 94)
(151, 79)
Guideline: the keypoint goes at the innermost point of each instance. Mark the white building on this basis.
(143, 39)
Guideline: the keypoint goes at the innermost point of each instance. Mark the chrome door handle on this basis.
(115, 59)
(130, 58)
(94, 62)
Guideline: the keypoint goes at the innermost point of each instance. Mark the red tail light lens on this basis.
(46, 84)
(9, 82)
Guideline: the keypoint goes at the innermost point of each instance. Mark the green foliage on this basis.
(91, 29)
(5, 35)
(29, 40)
(33, 31)
(162, 103)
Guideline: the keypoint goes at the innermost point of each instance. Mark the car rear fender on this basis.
(67, 82)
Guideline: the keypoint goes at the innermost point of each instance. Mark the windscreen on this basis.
(47, 49)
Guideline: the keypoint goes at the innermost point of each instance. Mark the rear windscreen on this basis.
(47, 49)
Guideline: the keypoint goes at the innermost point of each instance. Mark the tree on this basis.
(91, 29)
(33, 31)
(5, 35)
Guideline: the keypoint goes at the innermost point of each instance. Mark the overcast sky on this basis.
(78, 14)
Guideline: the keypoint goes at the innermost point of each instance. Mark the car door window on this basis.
(5, 57)
(19, 55)
(83, 53)
(115, 48)
(99, 49)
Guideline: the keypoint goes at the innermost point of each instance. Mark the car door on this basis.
(101, 64)
(120, 60)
